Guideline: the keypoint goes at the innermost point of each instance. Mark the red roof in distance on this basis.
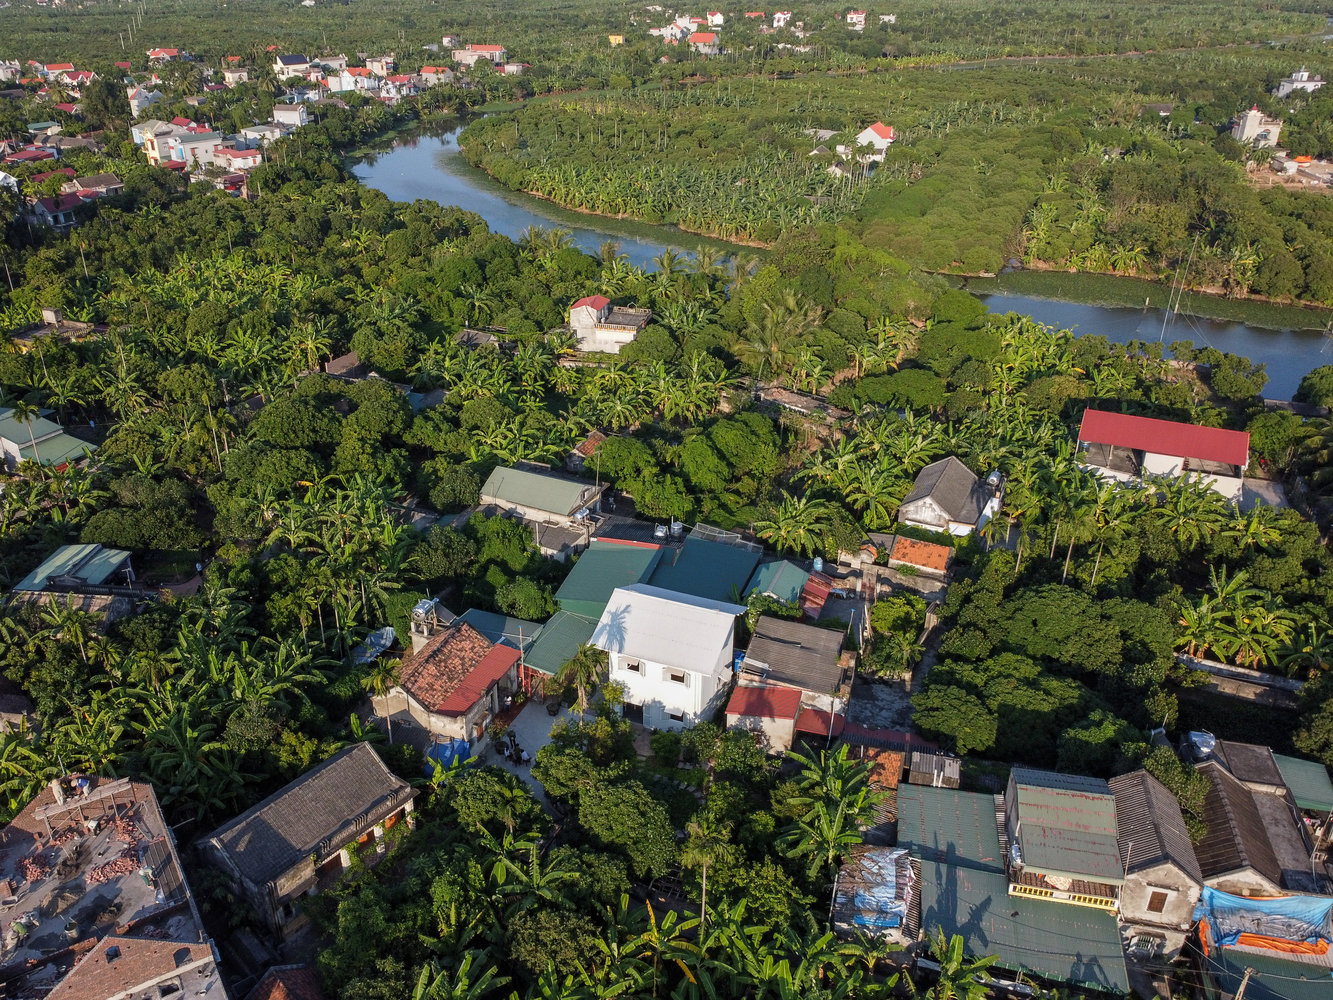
(765, 702)
(703, 37)
(1165, 437)
(598, 302)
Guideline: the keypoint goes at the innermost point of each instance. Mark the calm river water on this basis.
(431, 166)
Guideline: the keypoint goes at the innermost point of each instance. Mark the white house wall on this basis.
(778, 734)
(697, 700)
(1172, 925)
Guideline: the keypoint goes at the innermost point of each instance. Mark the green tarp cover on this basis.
(1308, 782)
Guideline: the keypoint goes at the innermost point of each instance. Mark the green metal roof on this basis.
(1075, 944)
(502, 628)
(533, 490)
(606, 565)
(1275, 978)
(59, 448)
(783, 580)
(559, 640)
(89, 562)
(705, 569)
(18, 430)
(942, 824)
(1308, 782)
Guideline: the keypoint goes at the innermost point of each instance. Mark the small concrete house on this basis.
(705, 43)
(879, 137)
(603, 327)
(541, 498)
(1128, 448)
(672, 652)
(947, 497)
(1236, 854)
(288, 66)
(787, 658)
(299, 840)
(454, 685)
(1163, 881)
(76, 568)
(473, 54)
(293, 115)
(1300, 80)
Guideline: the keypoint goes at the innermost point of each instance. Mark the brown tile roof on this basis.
(927, 555)
(1236, 837)
(588, 445)
(797, 655)
(439, 669)
(121, 965)
(289, 982)
(764, 703)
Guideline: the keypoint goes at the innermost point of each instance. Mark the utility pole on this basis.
(1244, 982)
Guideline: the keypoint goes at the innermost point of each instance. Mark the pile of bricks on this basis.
(64, 836)
(34, 869)
(126, 863)
(127, 831)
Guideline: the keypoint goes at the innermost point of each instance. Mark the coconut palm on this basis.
(382, 677)
(584, 671)
(796, 525)
(704, 843)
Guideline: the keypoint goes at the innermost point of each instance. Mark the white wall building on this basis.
(292, 115)
(672, 652)
(856, 20)
(1254, 128)
(603, 327)
(715, 19)
(879, 137)
(1300, 80)
(473, 54)
(780, 18)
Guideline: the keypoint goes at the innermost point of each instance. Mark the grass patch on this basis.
(1108, 290)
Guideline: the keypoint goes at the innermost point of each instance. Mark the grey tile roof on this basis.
(321, 811)
(797, 655)
(1249, 762)
(1236, 837)
(1152, 827)
(953, 486)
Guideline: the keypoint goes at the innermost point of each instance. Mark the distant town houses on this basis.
(856, 20)
(433, 75)
(705, 43)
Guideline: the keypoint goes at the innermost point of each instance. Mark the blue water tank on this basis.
(819, 564)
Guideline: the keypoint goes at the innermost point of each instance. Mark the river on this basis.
(432, 167)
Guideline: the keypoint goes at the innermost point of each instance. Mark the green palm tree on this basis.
(584, 671)
(383, 675)
(705, 843)
(25, 413)
(796, 525)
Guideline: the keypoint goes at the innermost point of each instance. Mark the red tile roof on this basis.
(1165, 437)
(486, 48)
(138, 961)
(289, 982)
(765, 702)
(598, 302)
(882, 130)
(927, 555)
(58, 67)
(30, 155)
(818, 723)
(454, 669)
(588, 445)
(124, 65)
(703, 38)
(38, 178)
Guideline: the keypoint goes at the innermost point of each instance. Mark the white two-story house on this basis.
(672, 652)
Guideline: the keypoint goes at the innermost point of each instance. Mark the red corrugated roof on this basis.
(492, 667)
(817, 722)
(703, 38)
(765, 702)
(881, 130)
(486, 48)
(815, 593)
(1165, 437)
(598, 302)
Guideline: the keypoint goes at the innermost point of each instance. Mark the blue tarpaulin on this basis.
(1288, 918)
(446, 752)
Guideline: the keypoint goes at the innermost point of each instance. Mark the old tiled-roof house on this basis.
(1235, 854)
(300, 838)
(948, 497)
(454, 684)
(288, 982)
(1163, 881)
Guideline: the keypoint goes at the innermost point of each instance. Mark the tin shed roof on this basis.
(534, 490)
(1077, 944)
(1308, 782)
(944, 824)
(606, 565)
(1067, 824)
(1165, 437)
(1152, 827)
(560, 639)
(705, 569)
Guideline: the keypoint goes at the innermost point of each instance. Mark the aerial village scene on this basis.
(596, 500)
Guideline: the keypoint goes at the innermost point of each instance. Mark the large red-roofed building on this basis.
(1125, 447)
